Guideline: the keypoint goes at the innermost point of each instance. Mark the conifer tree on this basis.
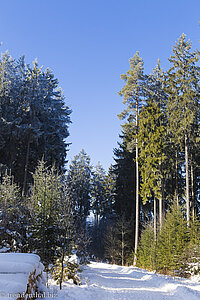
(132, 93)
(46, 197)
(171, 242)
(182, 107)
(146, 249)
(110, 188)
(150, 144)
(124, 171)
(33, 119)
(78, 182)
(14, 217)
(98, 192)
(155, 90)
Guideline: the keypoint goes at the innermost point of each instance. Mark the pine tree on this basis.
(132, 93)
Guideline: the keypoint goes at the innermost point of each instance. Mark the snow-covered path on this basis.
(109, 282)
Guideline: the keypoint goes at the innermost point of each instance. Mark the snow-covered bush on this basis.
(67, 269)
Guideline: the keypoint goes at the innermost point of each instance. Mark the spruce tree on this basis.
(146, 249)
(98, 192)
(78, 182)
(124, 171)
(155, 90)
(183, 101)
(171, 242)
(150, 144)
(15, 220)
(45, 201)
(33, 119)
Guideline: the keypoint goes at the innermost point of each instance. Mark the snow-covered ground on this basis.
(102, 281)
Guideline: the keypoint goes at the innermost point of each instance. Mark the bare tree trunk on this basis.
(62, 262)
(187, 181)
(192, 188)
(161, 197)
(155, 217)
(176, 178)
(26, 168)
(62, 270)
(137, 190)
(122, 245)
(160, 211)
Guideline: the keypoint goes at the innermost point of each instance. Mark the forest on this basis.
(144, 211)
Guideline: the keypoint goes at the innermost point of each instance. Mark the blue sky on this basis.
(87, 44)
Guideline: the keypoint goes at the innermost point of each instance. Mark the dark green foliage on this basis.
(146, 249)
(171, 242)
(183, 106)
(118, 241)
(150, 143)
(46, 206)
(112, 245)
(177, 249)
(79, 187)
(191, 254)
(124, 170)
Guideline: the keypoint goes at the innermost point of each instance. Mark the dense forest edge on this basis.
(144, 211)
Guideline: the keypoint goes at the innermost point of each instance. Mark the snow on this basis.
(15, 269)
(101, 281)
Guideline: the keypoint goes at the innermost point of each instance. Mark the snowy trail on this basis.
(110, 282)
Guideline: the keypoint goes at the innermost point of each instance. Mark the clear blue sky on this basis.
(87, 44)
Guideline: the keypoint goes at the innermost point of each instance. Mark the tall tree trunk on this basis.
(176, 180)
(137, 189)
(160, 211)
(192, 188)
(155, 217)
(123, 245)
(161, 197)
(26, 168)
(187, 181)
(62, 262)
